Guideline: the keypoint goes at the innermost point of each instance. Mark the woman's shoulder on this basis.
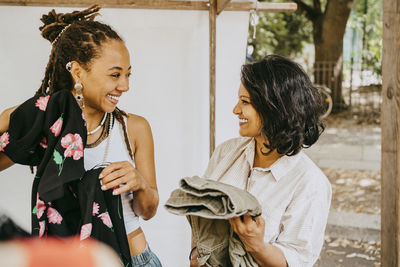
(232, 145)
(138, 127)
(311, 176)
(136, 122)
(235, 143)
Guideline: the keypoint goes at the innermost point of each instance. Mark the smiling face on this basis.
(107, 77)
(249, 119)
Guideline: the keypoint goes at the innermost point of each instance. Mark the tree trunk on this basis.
(328, 32)
(328, 67)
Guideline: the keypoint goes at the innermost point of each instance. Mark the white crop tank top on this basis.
(117, 151)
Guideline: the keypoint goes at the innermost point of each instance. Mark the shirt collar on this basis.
(249, 151)
(283, 166)
(279, 168)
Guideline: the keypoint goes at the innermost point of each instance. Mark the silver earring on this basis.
(78, 94)
(68, 66)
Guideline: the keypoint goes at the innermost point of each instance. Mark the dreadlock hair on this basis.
(75, 37)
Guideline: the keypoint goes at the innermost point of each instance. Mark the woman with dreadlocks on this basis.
(95, 173)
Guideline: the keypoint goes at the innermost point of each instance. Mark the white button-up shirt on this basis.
(294, 194)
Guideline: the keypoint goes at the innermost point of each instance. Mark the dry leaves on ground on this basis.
(344, 252)
(356, 191)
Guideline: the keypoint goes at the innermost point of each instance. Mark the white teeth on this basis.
(113, 97)
(243, 120)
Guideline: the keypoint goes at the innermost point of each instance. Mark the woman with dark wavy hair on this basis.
(279, 114)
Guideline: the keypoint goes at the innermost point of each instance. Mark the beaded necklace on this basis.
(106, 131)
(98, 127)
(110, 126)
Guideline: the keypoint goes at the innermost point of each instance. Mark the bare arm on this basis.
(5, 162)
(146, 198)
(269, 255)
(5, 119)
(140, 179)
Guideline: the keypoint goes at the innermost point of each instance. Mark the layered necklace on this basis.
(108, 122)
(100, 125)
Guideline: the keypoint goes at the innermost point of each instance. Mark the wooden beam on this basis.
(221, 5)
(134, 4)
(261, 6)
(390, 123)
(213, 45)
(157, 4)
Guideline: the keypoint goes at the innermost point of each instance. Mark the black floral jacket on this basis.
(49, 131)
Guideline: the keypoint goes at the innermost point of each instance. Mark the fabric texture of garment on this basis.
(208, 205)
(102, 214)
(146, 259)
(50, 132)
(117, 151)
(293, 192)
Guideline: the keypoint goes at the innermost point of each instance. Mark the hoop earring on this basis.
(68, 66)
(78, 95)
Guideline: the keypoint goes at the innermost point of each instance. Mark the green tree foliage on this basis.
(288, 33)
(280, 33)
(366, 18)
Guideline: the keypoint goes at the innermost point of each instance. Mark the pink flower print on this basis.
(54, 216)
(56, 128)
(105, 217)
(84, 118)
(4, 140)
(41, 103)
(42, 228)
(43, 142)
(74, 146)
(96, 208)
(40, 207)
(86, 230)
(72, 191)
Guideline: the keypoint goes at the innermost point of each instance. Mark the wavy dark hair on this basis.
(77, 37)
(288, 103)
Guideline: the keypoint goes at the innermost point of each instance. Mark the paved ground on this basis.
(352, 239)
(340, 148)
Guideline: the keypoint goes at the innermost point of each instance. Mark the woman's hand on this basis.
(250, 231)
(123, 177)
(193, 258)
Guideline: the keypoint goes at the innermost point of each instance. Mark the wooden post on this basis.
(390, 123)
(213, 31)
